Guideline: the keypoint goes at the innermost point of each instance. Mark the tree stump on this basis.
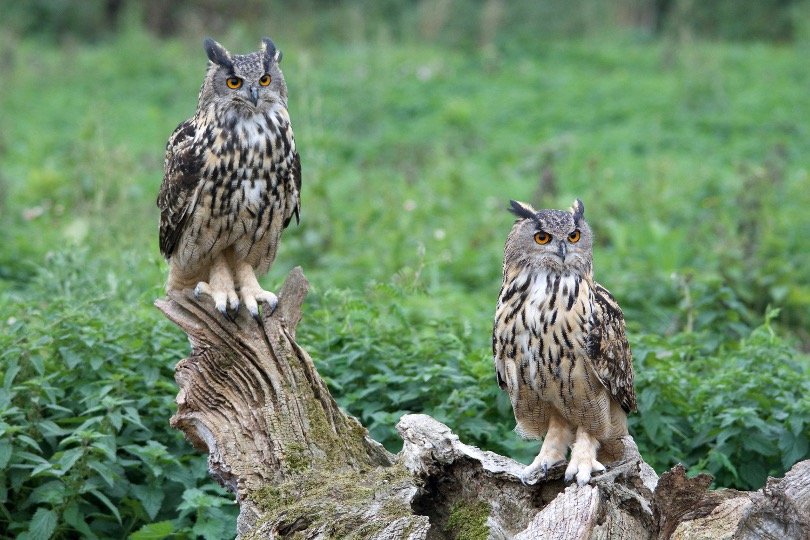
(301, 468)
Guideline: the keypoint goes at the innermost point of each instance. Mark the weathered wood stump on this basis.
(301, 468)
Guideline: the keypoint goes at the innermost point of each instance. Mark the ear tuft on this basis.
(522, 210)
(217, 53)
(578, 209)
(270, 53)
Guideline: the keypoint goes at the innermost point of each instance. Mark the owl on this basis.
(232, 181)
(559, 342)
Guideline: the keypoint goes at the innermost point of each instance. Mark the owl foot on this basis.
(251, 292)
(252, 297)
(582, 469)
(559, 437)
(538, 470)
(583, 459)
(225, 300)
(549, 456)
(220, 288)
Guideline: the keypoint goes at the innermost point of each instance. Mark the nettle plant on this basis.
(85, 446)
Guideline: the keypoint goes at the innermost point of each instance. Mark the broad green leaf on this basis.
(753, 474)
(11, 372)
(150, 496)
(70, 357)
(43, 524)
(115, 419)
(5, 403)
(153, 531)
(52, 492)
(103, 498)
(106, 444)
(104, 471)
(38, 363)
(798, 450)
(211, 528)
(49, 428)
(68, 459)
(31, 443)
(44, 467)
(73, 517)
(5, 453)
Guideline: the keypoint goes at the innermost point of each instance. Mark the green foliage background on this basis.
(416, 122)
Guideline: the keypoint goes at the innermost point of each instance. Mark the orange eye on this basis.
(233, 82)
(542, 237)
(265, 80)
(574, 237)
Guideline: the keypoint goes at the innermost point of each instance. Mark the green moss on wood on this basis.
(346, 503)
(468, 520)
(296, 458)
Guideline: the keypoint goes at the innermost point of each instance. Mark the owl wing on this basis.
(177, 197)
(296, 175)
(609, 351)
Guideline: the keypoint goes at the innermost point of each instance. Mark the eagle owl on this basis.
(232, 181)
(559, 342)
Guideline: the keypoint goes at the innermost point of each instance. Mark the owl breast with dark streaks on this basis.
(558, 343)
(232, 182)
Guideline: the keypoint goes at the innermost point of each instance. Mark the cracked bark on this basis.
(301, 468)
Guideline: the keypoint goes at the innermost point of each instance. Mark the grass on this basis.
(692, 159)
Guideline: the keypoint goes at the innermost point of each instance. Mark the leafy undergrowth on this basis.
(87, 391)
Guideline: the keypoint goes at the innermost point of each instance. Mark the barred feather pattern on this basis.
(559, 347)
(231, 182)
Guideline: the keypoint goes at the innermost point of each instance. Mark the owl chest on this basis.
(547, 329)
(241, 171)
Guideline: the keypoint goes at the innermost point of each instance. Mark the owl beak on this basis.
(254, 95)
(561, 249)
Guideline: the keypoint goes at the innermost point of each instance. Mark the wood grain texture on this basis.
(252, 399)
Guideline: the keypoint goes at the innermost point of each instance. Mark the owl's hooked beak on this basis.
(562, 248)
(254, 95)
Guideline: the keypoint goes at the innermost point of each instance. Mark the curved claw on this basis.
(227, 314)
(528, 476)
(273, 303)
(568, 477)
(252, 299)
(524, 480)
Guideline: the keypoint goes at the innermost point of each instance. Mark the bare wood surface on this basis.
(781, 510)
(301, 468)
(252, 399)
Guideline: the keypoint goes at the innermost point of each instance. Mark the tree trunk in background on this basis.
(302, 468)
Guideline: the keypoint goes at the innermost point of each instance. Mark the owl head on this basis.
(554, 240)
(243, 83)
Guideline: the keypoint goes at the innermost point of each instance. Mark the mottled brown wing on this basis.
(296, 174)
(609, 351)
(177, 196)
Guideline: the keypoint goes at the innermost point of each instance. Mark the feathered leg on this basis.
(250, 291)
(558, 438)
(220, 286)
(583, 458)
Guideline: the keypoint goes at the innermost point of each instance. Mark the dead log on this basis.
(301, 468)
